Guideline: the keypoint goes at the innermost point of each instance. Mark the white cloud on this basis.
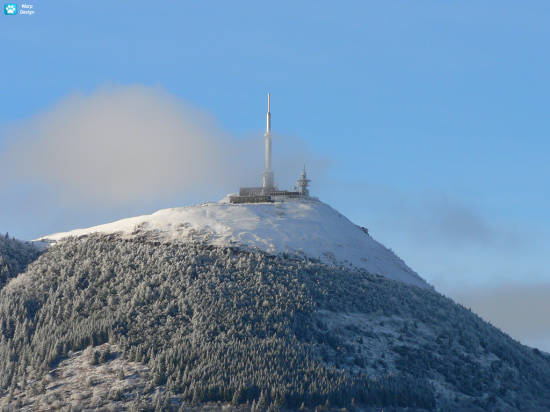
(123, 143)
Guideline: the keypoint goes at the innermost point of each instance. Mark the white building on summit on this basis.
(269, 192)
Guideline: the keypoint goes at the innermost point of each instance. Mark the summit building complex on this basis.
(269, 192)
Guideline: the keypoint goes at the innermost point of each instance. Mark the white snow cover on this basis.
(305, 227)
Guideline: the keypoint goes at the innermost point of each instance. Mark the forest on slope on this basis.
(15, 256)
(222, 324)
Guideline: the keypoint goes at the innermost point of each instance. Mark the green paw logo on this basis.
(10, 9)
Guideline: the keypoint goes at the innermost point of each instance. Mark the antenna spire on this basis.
(268, 180)
(268, 115)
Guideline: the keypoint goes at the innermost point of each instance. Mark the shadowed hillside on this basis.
(15, 256)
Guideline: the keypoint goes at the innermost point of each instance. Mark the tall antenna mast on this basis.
(268, 178)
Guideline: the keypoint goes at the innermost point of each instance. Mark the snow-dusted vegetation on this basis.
(214, 324)
(87, 379)
(15, 256)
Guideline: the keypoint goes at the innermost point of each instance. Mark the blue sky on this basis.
(426, 122)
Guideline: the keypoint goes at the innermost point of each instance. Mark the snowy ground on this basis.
(76, 385)
(304, 227)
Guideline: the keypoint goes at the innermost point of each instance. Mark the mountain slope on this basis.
(303, 227)
(15, 256)
(222, 324)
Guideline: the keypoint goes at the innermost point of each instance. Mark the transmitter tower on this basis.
(268, 192)
(267, 175)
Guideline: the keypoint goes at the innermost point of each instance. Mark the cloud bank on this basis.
(120, 144)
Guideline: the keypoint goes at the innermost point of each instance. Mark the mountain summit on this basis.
(300, 227)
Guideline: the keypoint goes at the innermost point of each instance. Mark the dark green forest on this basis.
(222, 324)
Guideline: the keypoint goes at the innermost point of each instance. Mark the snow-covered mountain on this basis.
(303, 227)
(215, 307)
